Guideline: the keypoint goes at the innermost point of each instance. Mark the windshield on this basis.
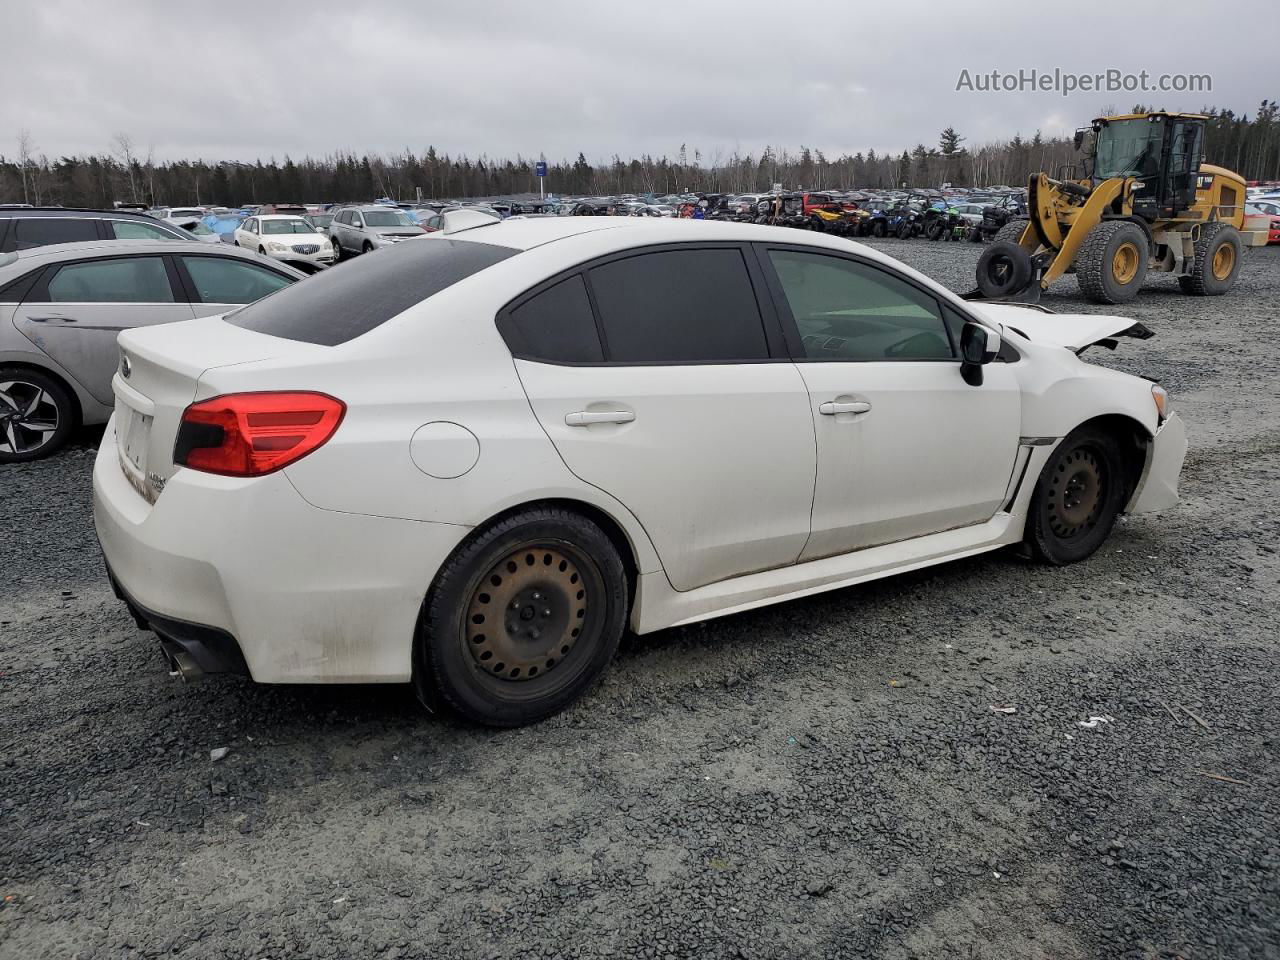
(185, 212)
(387, 218)
(321, 219)
(1128, 148)
(287, 226)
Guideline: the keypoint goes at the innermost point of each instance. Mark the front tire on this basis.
(1112, 263)
(1078, 497)
(37, 414)
(523, 618)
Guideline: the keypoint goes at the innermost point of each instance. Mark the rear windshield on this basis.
(341, 304)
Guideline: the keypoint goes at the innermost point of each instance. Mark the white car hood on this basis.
(1075, 331)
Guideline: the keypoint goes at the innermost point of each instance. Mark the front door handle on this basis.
(584, 418)
(52, 318)
(832, 407)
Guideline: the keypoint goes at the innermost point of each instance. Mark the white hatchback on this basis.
(472, 461)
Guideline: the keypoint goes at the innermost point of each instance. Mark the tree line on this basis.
(1250, 146)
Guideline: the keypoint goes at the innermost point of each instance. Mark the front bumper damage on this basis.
(1158, 487)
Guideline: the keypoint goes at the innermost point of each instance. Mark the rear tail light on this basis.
(249, 434)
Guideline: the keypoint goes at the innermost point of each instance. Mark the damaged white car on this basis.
(472, 461)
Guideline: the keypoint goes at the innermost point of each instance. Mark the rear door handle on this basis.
(53, 318)
(832, 407)
(584, 418)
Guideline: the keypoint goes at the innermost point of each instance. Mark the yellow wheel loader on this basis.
(1147, 202)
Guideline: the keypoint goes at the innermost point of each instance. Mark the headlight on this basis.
(276, 247)
(1163, 405)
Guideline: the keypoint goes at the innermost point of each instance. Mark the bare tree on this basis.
(25, 149)
(122, 148)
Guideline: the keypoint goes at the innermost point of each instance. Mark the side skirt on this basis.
(658, 606)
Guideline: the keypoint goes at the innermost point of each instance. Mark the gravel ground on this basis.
(824, 778)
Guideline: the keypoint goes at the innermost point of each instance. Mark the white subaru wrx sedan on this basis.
(472, 461)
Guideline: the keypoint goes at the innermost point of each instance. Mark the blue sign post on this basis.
(540, 168)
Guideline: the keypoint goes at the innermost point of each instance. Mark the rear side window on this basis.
(340, 305)
(123, 280)
(227, 280)
(679, 306)
(42, 231)
(133, 230)
(556, 325)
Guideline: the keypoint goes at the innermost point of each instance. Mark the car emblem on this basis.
(126, 367)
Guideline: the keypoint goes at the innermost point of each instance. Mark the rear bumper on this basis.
(210, 649)
(306, 595)
(1158, 488)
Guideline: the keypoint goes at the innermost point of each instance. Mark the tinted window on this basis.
(556, 324)
(339, 305)
(41, 231)
(126, 280)
(850, 311)
(133, 230)
(679, 305)
(228, 280)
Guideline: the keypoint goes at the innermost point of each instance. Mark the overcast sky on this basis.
(230, 79)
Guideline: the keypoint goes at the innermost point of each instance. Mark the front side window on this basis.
(228, 280)
(679, 306)
(42, 231)
(556, 325)
(123, 280)
(845, 310)
(135, 230)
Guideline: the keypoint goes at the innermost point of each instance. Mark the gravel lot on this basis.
(824, 778)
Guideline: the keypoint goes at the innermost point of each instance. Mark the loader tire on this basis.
(1011, 231)
(1004, 269)
(1219, 252)
(1112, 262)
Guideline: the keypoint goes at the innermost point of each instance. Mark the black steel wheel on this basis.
(524, 617)
(37, 414)
(1077, 498)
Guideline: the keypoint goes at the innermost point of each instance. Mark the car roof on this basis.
(97, 212)
(19, 261)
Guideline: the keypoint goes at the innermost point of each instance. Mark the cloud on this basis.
(234, 79)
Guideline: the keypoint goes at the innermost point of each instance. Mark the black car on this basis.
(22, 228)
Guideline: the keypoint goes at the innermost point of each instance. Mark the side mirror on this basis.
(1079, 139)
(979, 345)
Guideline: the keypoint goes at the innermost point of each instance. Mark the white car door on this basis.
(75, 314)
(676, 398)
(905, 446)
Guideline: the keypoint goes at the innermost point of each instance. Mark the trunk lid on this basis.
(158, 378)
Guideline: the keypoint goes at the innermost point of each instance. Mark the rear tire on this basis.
(1079, 495)
(37, 414)
(1219, 246)
(935, 230)
(523, 618)
(878, 228)
(1112, 263)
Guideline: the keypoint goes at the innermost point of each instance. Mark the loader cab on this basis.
(1159, 152)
